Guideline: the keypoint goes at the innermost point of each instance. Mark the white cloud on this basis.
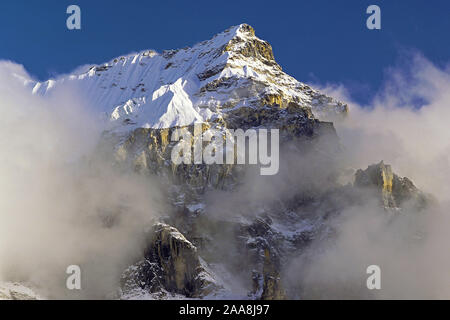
(416, 142)
(54, 202)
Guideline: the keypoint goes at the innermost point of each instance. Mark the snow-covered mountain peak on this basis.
(179, 87)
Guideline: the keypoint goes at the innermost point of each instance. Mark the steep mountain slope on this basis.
(179, 87)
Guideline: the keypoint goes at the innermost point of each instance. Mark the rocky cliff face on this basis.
(394, 191)
(272, 288)
(171, 264)
(259, 245)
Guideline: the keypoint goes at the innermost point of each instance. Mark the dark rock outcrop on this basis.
(394, 191)
(272, 288)
(171, 264)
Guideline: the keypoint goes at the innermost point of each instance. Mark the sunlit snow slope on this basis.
(180, 87)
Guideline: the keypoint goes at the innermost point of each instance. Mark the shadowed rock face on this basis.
(272, 287)
(149, 150)
(380, 177)
(393, 190)
(170, 263)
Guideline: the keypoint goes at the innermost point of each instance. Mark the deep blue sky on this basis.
(313, 40)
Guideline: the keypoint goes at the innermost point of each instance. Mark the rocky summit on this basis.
(232, 74)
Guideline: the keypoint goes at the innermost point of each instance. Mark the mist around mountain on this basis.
(87, 180)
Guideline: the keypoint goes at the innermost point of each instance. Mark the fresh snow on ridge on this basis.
(153, 90)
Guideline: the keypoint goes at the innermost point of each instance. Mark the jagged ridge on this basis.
(179, 87)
